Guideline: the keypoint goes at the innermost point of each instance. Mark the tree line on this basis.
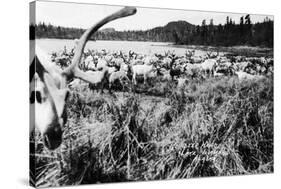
(180, 32)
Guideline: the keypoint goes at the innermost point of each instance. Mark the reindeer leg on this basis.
(134, 79)
(133, 83)
(109, 88)
(101, 90)
(144, 79)
(121, 83)
(127, 82)
(100, 87)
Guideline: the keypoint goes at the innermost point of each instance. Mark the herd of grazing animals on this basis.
(120, 68)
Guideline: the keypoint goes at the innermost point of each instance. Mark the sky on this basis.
(84, 15)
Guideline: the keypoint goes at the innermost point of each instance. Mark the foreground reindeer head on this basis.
(48, 92)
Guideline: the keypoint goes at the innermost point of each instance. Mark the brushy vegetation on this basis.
(215, 127)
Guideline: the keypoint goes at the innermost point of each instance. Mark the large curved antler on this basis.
(73, 70)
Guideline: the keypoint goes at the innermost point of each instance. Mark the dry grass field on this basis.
(209, 127)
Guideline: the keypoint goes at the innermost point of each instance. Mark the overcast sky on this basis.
(84, 15)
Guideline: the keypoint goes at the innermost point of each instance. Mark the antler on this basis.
(209, 54)
(122, 56)
(131, 53)
(73, 70)
(193, 52)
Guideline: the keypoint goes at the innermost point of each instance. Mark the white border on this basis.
(14, 94)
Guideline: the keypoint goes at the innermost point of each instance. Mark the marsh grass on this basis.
(215, 127)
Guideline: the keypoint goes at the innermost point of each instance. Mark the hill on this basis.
(107, 30)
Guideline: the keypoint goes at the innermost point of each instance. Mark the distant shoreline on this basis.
(243, 50)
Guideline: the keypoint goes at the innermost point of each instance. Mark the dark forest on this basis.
(180, 33)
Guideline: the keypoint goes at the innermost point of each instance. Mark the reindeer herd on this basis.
(112, 69)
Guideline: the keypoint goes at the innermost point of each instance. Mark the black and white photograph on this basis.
(123, 93)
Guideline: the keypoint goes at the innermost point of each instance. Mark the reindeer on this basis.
(212, 55)
(175, 70)
(189, 54)
(194, 59)
(142, 70)
(246, 76)
(120, 76)
(49, 90)
(100, 78)
(89, 63)
(208, 66)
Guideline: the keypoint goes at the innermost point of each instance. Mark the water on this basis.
(54, 45)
